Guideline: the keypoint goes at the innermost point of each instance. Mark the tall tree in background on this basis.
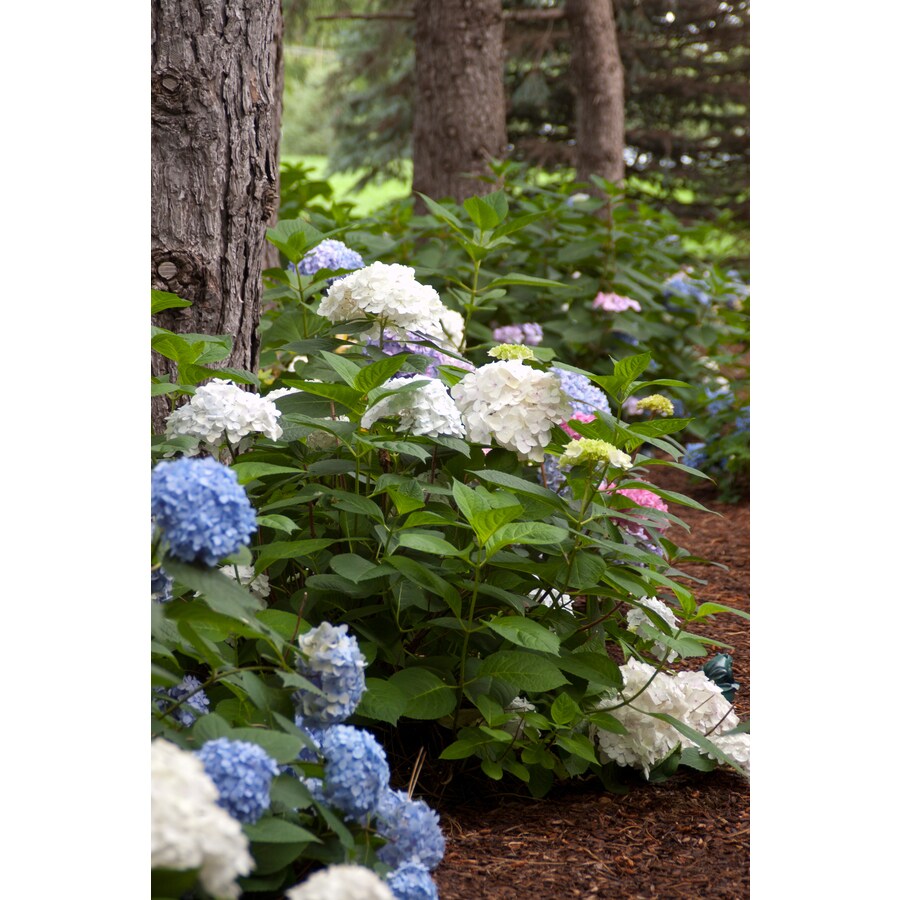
(214, 157)
(599, 84)
(459, 122)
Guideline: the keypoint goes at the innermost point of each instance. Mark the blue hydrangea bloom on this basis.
(329, 254)
(412, 882)
(160, 585)
(202, 510)
(187, 713)
(720, 399)
(682, 285)
(356, 770)
(242, 772)
(742, 422)
(694, 455)
(625, 338)
(553, 474)
(315, 733)
(330, 659)
(586, 397)
(411, 829)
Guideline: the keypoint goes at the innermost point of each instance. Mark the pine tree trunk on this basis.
(460, 107)
(214, 156)
(600, 90)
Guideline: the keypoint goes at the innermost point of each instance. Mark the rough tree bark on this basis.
(214, 156)
(600, 90)
(460, 109)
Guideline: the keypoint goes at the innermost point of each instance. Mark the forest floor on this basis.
(687, 837)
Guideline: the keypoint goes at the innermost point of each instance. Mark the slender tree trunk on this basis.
(460, 107)
(214, 156)
(599, 90)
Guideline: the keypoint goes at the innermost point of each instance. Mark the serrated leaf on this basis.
(250, 471)
(271, 830)
(578, 745)
(526, 633)
(594, 667)
(526, 671)
(160, 300)
(427, 697)
(268, 553)
(703, 742)
(382, 701)
(564, 710)
(283, 748)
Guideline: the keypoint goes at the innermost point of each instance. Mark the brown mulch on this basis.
(688, 837)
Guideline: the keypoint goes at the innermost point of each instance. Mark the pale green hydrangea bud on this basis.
(589, 450)
(656, 403)
(511, 351)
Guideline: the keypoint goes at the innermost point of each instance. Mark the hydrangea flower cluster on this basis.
(644, 498)
(682, 285)
(160, 585)
(519, 706)
(639, 623)
(655, 403)
(412, 882)
(356, 770)
(512, 404)
(578, 417)
(552, 475)
(742, 421)
(426, 410)
(436, 357)
(197, 703)
(242, 772)
(391, 295)
(341, 882)
(221, 409)
(329, 254)
(188, 830)
(258, 585)
(511, 351)
(584, 395)
(315, 733)
(694, 455)
(551, 597)
(330, 658)
(590, 450)
(200, 507)
(720, 398)
(614, 303)
(527, 333)
(411, 829)
(689, 697)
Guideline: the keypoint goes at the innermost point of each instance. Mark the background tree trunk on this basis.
(460, 108)
(214, 158)
(599, 90)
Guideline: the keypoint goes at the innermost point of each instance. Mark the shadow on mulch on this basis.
(688, 837)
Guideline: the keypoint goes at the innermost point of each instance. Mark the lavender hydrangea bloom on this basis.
(529, 333)
(329, 254)
(202, 510)
(242, 772)
(411, 829)
(586, 397)
(331, 660)
(553, 477)
(412, 882)
(356, 770)
(682, 285)
(160, 585)
(742, 422)
(694, 455)
(196, 703)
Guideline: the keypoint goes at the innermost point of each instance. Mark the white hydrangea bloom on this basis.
(517, 705)
(453, 331)
(281, 392)
(389, 293)
(513, 404)
(188, 830)
(341, 882)
(551, 597)
(221, 409)
(426, 410)
(689, 697)
(641, 624)
(258, 584)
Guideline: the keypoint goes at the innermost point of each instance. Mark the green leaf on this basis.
(691, 756)
(486, 523)
(498, 203)
(587, 570)
(428, 543)
(347, 370)
(492, 769)
(160, 300)
(250, 471)
(481, 213)
(283, 748)
(288, 550)
(442, 213)
(564, 710)
(210, 727)
(382, 700)
(710, 609)
(526, 633)
(607, 722)
(518, 223)
(526, 671)
(578, 745)
(703, 742)
(427, 697)
(277, 523)
(221, 593)
(629, 368)
(426, 578)
(528, 280)
(378, 373)
(271, 830)
(293, 237)
(525, 533)
(592, 666)
(290, 792)
(520, 486)
(341, 393)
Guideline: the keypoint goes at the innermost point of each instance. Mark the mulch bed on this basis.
(688, 837)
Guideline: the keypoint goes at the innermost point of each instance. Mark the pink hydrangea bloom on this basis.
(615, 303)
(578, 417)
(644, 498)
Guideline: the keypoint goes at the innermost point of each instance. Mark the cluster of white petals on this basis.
(258, 584)
(221, 408)
(188, 830)
(642, 625)
(513, 404)
(453, 331)
(689, 697)
(390, 294)
(341, 882)
(425, 410)
(551, 597)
